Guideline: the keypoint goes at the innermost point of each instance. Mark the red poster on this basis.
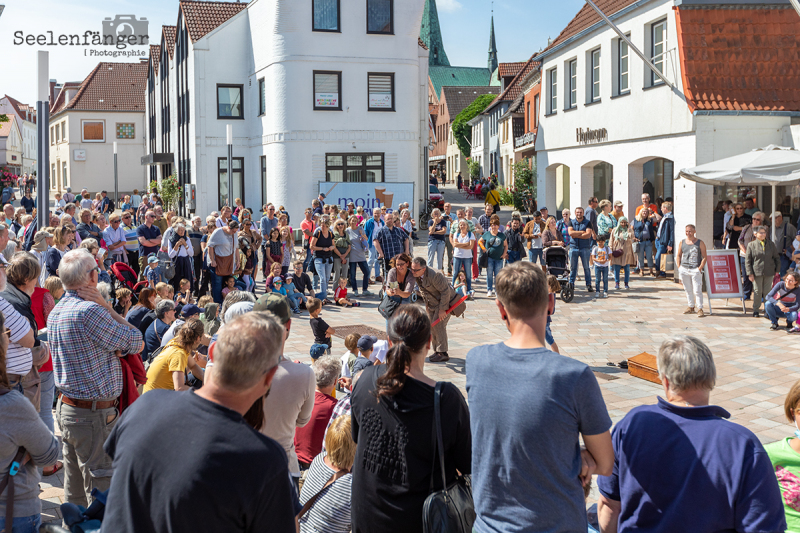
(723, 275)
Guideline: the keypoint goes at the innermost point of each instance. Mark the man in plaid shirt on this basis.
(389, 241)
(86, 338)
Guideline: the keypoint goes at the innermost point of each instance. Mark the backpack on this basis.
(111, 206)
(166, 264)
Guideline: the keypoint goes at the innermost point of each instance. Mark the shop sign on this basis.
(524, 140)
(587, 136)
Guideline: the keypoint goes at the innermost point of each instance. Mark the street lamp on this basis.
(116, 178)
(43, 143)
(229, 128)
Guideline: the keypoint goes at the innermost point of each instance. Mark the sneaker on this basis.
(355, 293)
(605, 295)
(626, 287)
(795, 329)
(439, 357)
(773, 326)
(596, 295)
(366, 293)
(700, 313)
(689, 311)
(616, 286)
(756, 314)
(589, 288)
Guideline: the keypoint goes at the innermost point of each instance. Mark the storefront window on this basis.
(603, 182)
(238, 179)
(658, 177)
(354, 167)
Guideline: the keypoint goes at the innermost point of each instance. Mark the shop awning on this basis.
(773, 165)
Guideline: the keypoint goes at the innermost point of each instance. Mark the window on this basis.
(553, 91)
(53, 180)
(64, 174)
(58, 134)
(229, 101)
(536, 111)
(263, 159)
(52, 136)
(327, 90)
(658, 46)
(380, 17)
(262, 97)
(93, 131)
(354, 167)
(325, 14)
(595, 75)
(56, 175)
(622, 66)
(238, 179)
(381, 92)
(126, 130)
(63, 131)
(528, 114)
(573, 84)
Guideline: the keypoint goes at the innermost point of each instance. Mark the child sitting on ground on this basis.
(152, 273)
(553, 288)
(322, 331)
(184, 297)
(230, 285)
(461, 284)
(53, 284)
(292, 293)
(340, 295)
(365, 345)
(278, 287)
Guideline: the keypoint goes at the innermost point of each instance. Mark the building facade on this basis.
(330, 94)
(11, 145)
(26, 121)
(611, 128)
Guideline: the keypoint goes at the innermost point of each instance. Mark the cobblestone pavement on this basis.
(755, 366)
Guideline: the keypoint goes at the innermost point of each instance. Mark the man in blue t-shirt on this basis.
(581, 235)
(681, 466)
(528, 407)
(149, 240)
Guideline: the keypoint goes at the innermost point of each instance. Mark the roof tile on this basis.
(514, 88)
(509, 69)
(203, 17)
(726, 67)
(111, 87)
(155, 55)
(458, 98)
(169, 38)
(588, 17)
(442, 76)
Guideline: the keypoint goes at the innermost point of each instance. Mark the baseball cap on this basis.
(543, 209)
(618, 202)
(190, 310)
(152, 258)
(322, 194)
(777, 214)
(317, 351)
(366, 342)
(277, 304)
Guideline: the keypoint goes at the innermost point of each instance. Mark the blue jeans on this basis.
(660, 249)
(491, 271)
(436, 252)
(774, 313)
(601, 272)
(747, 285)
(645, 252)
(216, 285)
(466, 263)
(324, 272)
(513, 257)
(574, 255)
(373, 262)
(535, 254)
(48, 389)
(295, 298)
(364, 271)
(23, 524)
(786, 263)
(618, 268)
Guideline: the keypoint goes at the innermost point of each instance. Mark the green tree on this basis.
(474, 168)
(3, 118)
(169, 190)
(463, 131)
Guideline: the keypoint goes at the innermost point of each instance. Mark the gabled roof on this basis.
(202, 17)
(6, 127)
(462, 76)
(18, 107)
(110, 87)
(740, 59)
(458, 98)
(155, 55)
(169, 38)
(514, 88)
(509, 69)
(587, 17)
(58, 102)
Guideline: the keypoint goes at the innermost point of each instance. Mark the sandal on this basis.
(53, 469)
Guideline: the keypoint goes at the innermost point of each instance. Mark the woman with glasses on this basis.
(62, 238)
(736, 224)
(400, 283)
(322, 246)
(341, 251)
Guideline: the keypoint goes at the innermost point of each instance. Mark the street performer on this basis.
(439, 297)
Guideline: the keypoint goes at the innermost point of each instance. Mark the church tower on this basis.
(431, 35)
(492, 63)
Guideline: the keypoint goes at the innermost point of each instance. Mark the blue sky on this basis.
(521, 28)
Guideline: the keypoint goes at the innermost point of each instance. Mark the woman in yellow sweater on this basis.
(168, 369)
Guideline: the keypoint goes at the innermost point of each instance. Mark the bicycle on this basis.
(425, 216)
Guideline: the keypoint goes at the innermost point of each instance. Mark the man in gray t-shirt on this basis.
(359, 246)
(528, 406)
(221, 256)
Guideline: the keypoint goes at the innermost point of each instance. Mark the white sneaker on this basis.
(605, 295)
(488, 294)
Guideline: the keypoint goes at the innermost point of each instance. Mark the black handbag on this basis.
(483, 260)
(388, 306)
(450, 510)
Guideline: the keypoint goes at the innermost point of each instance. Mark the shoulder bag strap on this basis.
(437, 413)
(310, 503)
(8, 480)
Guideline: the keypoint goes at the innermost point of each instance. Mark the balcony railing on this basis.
(525, 140)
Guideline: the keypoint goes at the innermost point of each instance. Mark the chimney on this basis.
(52, 91)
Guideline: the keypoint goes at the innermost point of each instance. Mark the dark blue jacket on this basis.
(667, 237)
(638, 228)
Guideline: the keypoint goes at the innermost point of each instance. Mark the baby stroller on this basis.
(557, 263)
(126, 277)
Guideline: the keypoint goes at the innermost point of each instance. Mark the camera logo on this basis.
(125, 27)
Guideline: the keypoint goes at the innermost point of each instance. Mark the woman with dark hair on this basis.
(143, 313)
(62, 238)
(392, 418)
(399, 274)
(181, 252)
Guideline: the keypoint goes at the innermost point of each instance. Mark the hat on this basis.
(322, 194)
(39, 242)
(190, 310)
(543, 209)
(277, 280)
(618, 203)
(277, 304)
(317, 351)
(777, 214)
(366, 342)
(152, 258)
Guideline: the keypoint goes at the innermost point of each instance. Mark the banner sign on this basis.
(723, 274)
(326, 99)
(369, 195)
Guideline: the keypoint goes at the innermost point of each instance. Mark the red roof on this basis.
(110, 87)
(740, 59)
(509, 69)
(155, 55)
(169, 38)
(514, 88)
(202, 17)
(58, 103)
(5, 127)
(588, 17)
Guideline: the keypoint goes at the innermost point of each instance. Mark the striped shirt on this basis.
(331, 512)
(131, 239)
(342, 407)
(83, 338)
(18, 358)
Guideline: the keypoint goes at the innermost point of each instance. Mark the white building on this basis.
(11, 146)
(86, 121)
(479, 148)
(332, 95)
(610, 128)
(26, 121)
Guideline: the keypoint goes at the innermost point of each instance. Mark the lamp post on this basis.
(229, 128)
(43, 145)
(116, 177)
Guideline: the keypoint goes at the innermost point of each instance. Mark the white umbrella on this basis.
(773, 165)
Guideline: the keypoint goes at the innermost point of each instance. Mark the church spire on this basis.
(431, 35)
(492, 63)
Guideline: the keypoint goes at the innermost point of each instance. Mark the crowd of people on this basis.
(173, 382)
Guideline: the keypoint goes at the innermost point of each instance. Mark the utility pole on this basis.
(43, 148)
(230, 165)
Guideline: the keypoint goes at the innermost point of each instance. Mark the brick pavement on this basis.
(755, 366)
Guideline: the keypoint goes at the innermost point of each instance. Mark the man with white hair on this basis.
(681, 466)
(87, 338)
